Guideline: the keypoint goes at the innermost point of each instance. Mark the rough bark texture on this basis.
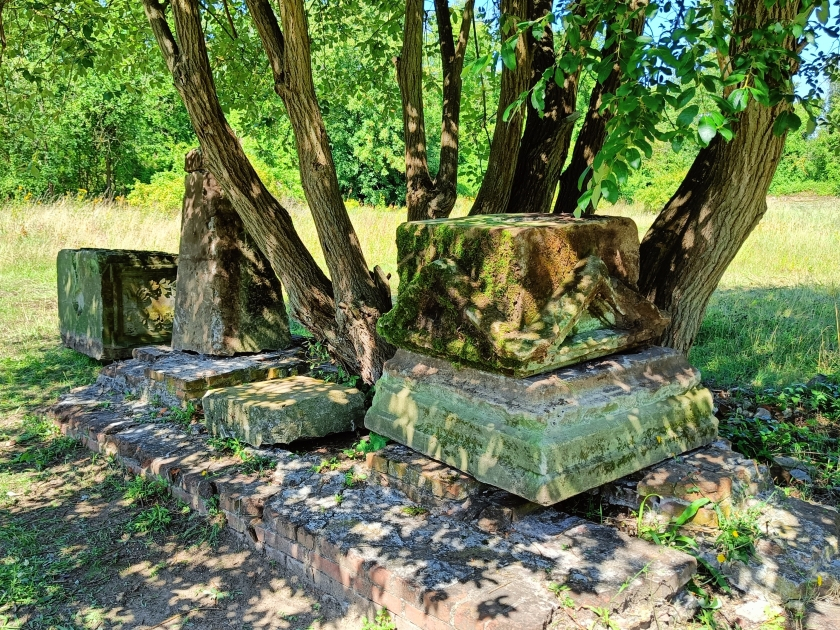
(721, 200)
(495, 191)
(545, 142)
(592, 133)
(361, 296)
(428, 198)
(344, 327)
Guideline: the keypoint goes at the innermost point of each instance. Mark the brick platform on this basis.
(369, 550)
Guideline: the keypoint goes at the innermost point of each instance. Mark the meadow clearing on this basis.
(773, 320)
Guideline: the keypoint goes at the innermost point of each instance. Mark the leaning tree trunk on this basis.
(694, 239)
(361, 296)
(310, 292)
(495, 188)
(545, 143)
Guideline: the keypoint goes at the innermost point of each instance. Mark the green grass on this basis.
(771, 323)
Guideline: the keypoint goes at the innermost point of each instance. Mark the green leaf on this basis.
(509, 54)
(620, 171)
(689, 512)
(685, 98)
(583, 177)
(706, 130)
(823, 12)
(787, 121)
(739, 99)
(609, 190)
(688, 115)
(634, 158)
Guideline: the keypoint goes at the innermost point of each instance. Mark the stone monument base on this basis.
(551, 436)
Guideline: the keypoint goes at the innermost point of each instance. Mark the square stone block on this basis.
(548, 437)
(520, 294)
(110, 301)
(282, 411)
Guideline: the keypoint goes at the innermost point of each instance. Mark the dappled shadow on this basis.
(72, 559)
(38, 376)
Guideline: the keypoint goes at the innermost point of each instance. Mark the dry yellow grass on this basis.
(772, 321)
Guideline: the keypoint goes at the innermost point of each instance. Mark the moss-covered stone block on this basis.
(283, 410)
(520, 294)
(111, 301)
(548, 437)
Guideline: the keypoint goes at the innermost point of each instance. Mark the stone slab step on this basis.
(283, 410)
(174, 377)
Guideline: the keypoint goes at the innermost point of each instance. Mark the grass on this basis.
(771, 323)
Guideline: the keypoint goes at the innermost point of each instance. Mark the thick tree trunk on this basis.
(496, 186)
(694, 239)
(310, 292)
(428, 198)
(545, 142)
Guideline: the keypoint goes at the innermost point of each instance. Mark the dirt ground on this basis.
(70, 547)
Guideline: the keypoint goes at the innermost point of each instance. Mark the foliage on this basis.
(146, 491)
(382, 621)
(804, 428)
(152, 520)
(738, 534)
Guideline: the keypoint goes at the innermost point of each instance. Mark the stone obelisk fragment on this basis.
(228, 298)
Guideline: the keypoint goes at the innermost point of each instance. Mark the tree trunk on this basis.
(545, 142)
(495, 191)
(361, 296)
(428, 198)
(694, 239)
(310, 292)
(592, 133)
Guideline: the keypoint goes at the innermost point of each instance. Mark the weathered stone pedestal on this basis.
(490, 310)
(112, 300)
(229, 300)
(547, 437)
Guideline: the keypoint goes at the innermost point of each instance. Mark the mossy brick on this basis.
(283, 410)
(519, 294)
(548, 437)
(111, 301)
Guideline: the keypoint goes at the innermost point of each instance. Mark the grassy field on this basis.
(772, 322)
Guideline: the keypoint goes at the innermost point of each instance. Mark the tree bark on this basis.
(361, 295)
(545, 143)
(310, 292)
(495, 190)
(593, 132)
(428, 198)
(694, 239)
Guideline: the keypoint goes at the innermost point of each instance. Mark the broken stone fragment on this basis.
(520, 294)
(229, 300)
(283, 410)
(113, 300)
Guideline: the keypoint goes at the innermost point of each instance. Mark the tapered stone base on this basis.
(552, 436)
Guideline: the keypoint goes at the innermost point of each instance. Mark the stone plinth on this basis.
(548, 437)
(110, 301)
(282, 411)
(520, 294)
(176, 378)
(228, 300)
